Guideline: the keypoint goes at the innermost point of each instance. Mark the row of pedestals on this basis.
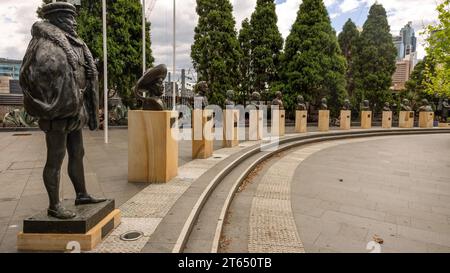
(153, 145)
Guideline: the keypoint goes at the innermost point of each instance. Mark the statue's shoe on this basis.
(87, 199)
(61, 213)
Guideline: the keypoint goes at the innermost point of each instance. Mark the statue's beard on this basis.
(66, 28)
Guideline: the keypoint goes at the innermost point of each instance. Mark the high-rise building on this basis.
(409, 38)
(406, 45)
(10, 68)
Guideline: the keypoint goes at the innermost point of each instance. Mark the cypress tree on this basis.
(348, 40)
(215, 52)
(245, 62)
(375, 58)
(124, 42)
(313, 63)
(266, 45)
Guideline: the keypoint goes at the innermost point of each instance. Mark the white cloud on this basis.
(350, 5)
(16, 18)
(287, 13)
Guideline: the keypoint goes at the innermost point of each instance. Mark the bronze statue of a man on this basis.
(444, 110)
(201, 91)
(230, 98)
(150, 88)
(347, 105)
(323, 104)
(406, 105)
(278, 101)
(425, 107)
(59, 81)
(365, 106)
(301, 105)
(387, 107)
(256, 99)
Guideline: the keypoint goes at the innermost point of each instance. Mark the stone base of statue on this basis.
(278, 123)
(324, 120)
(256, 125)
(301, 121)
(346, 120)
(202, 134)
(92, 224)
(387, 120)
(152, 147)
(444, 125)
(230, 128)
(426, 119)
(406, 119)
(366, 119)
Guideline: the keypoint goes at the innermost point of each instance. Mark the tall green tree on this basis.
(374, 61)
(266, 45)
(313, 62)
(245, 84)
(215, 52)
(124, 42)
(439, 49)
(348, 41)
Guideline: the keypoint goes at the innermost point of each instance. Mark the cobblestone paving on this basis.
(146, 209)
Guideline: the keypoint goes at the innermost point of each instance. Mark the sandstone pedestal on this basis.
(324, 120)
(278, 123)
(230, 128)
(444, 125)
(152, 148)
(346, 120)
(202, 134)
(387, 120)
(426, 119)
(406, 119)
(366, 119)
(92, 224)
(256, 125)
(301, 121)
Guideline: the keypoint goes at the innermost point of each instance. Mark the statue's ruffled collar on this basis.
(61, 38)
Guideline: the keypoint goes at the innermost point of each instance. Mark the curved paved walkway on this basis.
(395, 189)
(339, 196)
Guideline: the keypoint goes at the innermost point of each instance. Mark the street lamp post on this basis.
(174, 54)
(105, 73)
(144, 29)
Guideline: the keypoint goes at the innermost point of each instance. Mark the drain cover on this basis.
(131, 236)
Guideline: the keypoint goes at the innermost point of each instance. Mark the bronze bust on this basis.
(444, 110)
(387, 107)
(323, 104)
(150, 88)
(365, 106)
(256, 99)
(426, 107)
(301, 105)
(406, 105)
(230, 96)
(201, 91)
(347, 106)
(278, 101)
(59, 81)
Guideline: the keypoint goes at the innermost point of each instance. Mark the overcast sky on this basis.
(16, 18)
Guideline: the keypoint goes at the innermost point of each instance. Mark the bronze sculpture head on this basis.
(150, 88)
(323, 104)
(301, 106)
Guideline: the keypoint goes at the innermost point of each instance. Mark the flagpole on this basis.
(105, 74)
(174, 54)
(144, 27)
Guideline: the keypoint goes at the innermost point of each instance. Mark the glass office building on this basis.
(10, 68)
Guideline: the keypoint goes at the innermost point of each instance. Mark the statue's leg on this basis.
(56, 150)
(75, 149)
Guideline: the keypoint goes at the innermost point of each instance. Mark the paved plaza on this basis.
(333, 196)
(339, 196)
